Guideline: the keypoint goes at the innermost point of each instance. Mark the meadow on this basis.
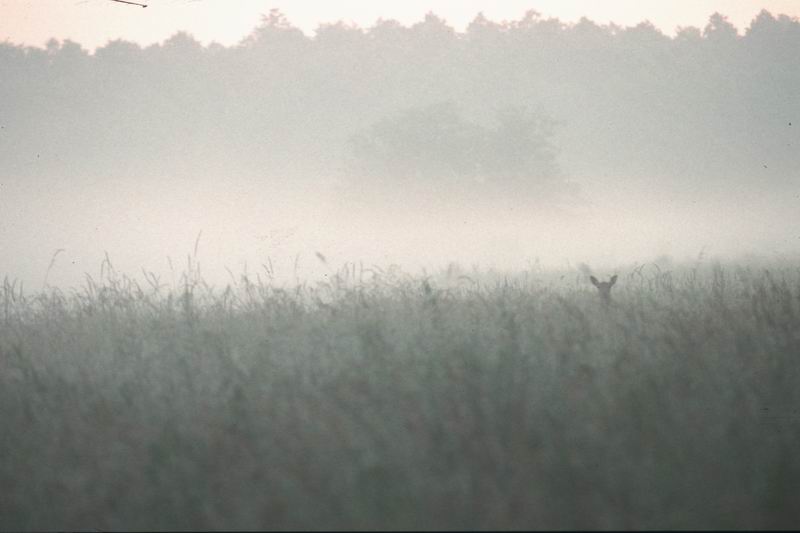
(378, 399)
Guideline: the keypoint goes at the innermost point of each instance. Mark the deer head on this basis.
(604, 287)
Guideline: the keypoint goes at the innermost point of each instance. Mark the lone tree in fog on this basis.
(434, 149)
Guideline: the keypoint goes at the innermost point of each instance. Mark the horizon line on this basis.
(313, 34)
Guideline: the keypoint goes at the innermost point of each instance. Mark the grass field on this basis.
(381, 400)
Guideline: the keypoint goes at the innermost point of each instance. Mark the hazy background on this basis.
(94, 22)
(499, 143)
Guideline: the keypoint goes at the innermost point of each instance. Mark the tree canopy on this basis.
(474, 107)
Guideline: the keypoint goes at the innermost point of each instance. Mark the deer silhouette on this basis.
(604, 287)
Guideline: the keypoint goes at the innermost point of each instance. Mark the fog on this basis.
(508, 145)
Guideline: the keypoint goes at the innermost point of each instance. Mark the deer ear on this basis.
(593, 280)
(613, 279)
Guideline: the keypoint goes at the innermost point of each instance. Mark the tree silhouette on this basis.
(435, 148)
(633, 104)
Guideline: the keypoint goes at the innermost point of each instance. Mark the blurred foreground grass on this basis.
(379, 400)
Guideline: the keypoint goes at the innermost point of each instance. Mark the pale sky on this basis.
(94, 22)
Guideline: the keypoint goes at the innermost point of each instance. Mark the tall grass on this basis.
(380, 400)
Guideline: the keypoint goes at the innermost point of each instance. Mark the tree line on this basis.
(518, 104)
